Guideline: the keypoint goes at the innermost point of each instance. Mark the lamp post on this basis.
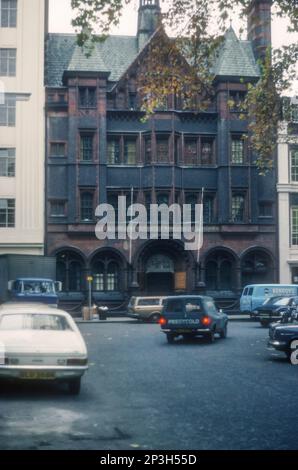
(90, 280)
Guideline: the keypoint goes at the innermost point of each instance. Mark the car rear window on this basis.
(193, 306)
(148, 302)
(174, 306)
(14, 322)
(245, 291)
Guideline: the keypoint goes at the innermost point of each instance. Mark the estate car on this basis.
(192, 316)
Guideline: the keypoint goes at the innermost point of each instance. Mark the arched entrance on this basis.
(160, 274)
(163, 267)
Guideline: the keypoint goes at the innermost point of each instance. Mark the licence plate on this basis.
(37, 375)
(183, 331)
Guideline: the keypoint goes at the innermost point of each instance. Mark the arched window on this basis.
(69, 271)
(75, 276)
(112, 276)
(98, 273)
(106, 274)
(220, 269)
(211, 275)
(256, 267)
(225, 275)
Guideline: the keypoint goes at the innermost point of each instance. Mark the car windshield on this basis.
(14, 322)
(38, 287)
(273, 300)
(284, 301)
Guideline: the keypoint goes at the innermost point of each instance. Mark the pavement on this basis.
(142, 393)
(123, 319)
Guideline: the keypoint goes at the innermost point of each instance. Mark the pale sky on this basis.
(61, 15)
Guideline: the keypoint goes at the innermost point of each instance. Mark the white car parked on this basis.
(40, 343)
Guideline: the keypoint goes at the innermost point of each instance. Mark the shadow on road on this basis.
(202, 342)
(28, 390)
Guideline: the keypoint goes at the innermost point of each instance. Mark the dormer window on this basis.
(87, 97)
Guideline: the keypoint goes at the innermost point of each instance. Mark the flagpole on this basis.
(201, 227)
(130, 237)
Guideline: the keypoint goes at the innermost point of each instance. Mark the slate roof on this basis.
(235, 57)
(114, 55)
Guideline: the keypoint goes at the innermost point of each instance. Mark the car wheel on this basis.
(290, 351)
(224, 332)
(74, 386)
(154, 318)
(210, 337)
(265, 323)
(170, 338)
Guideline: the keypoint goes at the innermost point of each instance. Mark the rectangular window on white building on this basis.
(8, 13)
(8, 59)
(7, 162)
(294, 164)
(8, 111)
(7, 213)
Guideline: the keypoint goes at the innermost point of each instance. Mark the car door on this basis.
(175, 313)
(194, 311)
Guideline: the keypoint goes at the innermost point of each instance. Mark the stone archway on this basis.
(163, 268)
(160, 274)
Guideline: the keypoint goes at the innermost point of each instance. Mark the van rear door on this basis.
(174, 313)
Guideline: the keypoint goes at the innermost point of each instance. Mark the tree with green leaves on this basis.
(182, 65)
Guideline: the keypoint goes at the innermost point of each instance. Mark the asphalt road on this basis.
(141, 393)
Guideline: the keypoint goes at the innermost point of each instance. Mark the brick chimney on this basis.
(259, 26)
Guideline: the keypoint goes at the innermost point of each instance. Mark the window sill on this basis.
(121, 165)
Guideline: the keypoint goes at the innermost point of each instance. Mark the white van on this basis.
(254, 295)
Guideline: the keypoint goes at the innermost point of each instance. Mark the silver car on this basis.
(146, 308)
(38, 342)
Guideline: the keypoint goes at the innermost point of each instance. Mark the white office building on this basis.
(22, 32)
(287, 189)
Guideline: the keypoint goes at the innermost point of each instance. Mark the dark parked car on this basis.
(274, 308)
(282, 335)
(192, 316)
